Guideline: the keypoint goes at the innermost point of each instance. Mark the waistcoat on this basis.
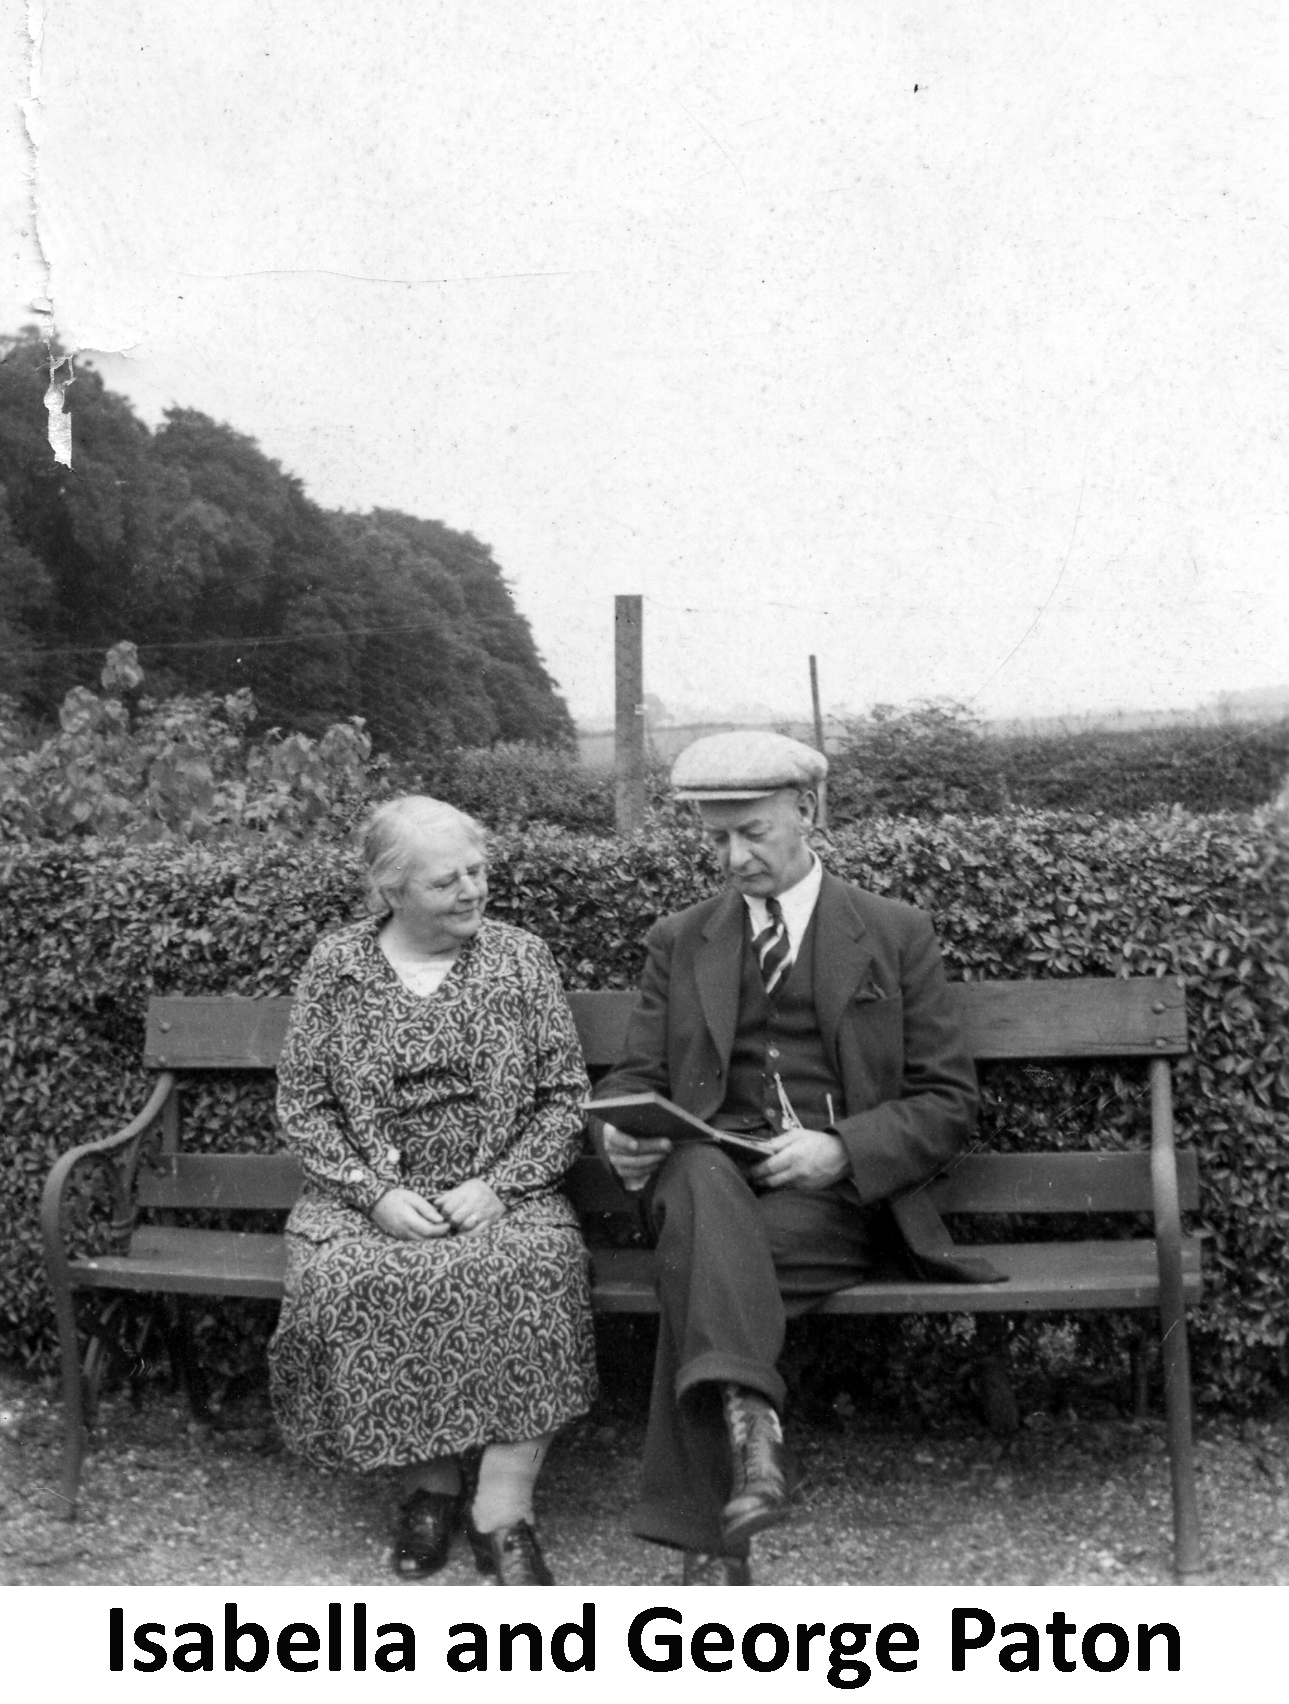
(779, 1034)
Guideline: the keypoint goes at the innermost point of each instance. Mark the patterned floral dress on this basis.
(390, 1352)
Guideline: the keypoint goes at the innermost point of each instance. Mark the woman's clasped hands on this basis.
(410, 1217)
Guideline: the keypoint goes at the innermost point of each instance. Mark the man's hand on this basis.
(404, 1214)
(470, 1206)
(634, 1158)
(802, 1159)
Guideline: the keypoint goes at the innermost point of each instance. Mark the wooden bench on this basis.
(152, 1182)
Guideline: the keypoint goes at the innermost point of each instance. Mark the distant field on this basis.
(665, 740)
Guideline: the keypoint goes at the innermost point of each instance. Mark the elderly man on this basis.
(815, 1014)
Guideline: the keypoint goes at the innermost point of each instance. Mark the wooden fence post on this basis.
(628, 718)
(822, 818)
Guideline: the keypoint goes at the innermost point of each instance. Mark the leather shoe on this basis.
(760, 1483)
(511, 1552)
(423, 1535)
(700, 1569)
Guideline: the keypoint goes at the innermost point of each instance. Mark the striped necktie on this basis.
(772, 946)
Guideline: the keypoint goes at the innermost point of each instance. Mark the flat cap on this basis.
(749, 763)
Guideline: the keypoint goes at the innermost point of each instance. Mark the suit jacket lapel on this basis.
(718, 967)
(842, 956)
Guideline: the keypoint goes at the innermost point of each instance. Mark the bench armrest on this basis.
(117, 1157)
(1163, 1168)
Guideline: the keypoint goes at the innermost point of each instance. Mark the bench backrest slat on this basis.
(1080, 1018)
(241, 1181)
(201, 1032)
(987, 1183)
(1079, 1182)
(232, 1032)
(601, 1020)
(1093, 1017)
(977, 1183)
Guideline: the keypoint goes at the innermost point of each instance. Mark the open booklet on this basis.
(652, 1114)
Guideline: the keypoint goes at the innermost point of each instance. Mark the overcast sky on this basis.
(944, 341)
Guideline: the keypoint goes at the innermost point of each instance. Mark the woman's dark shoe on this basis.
(512, 1553)
(423, 1535)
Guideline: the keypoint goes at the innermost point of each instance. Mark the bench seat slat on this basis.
(182, 1261)
(1042, 1278)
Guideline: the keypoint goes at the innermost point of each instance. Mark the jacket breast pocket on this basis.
(872, 1050)
(877, 1020)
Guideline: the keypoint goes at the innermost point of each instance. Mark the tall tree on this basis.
(448, 656)
(194, 544)
(25, 592)
(88, 525)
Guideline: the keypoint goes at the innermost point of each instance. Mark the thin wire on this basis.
(415, 627)
(212, 644)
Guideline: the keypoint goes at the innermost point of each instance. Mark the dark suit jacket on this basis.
(883, 1006)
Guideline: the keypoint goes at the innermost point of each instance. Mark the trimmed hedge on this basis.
(88, 931)
(935, 760)
(929, 762)
(1219, 766)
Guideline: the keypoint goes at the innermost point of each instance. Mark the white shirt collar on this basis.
(797, 903)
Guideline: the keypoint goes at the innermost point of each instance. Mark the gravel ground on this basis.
(1065, 1501)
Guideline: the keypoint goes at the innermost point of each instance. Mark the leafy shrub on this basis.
(189, 768)
(184, 768)
(88, 930)
(937, 759)
(515, 783)
(930, 760)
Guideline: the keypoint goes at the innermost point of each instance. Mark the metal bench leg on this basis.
(73, 1402)
(1181, 1449)
(1172, 1314)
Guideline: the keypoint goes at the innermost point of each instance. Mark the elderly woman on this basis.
(436, 1310)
